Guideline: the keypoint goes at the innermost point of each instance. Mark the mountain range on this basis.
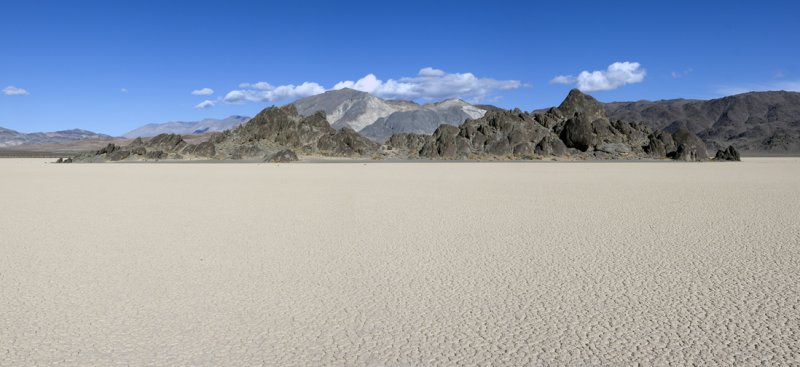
(186, 128)
(12, 138)
(755, 122)
(578, 129)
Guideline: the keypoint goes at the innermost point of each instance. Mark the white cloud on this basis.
(123, 90)
(681, 74)
(14, 91)
(728, 90)
(563, 79)
(615, 76)
(203, 92)
(205, 104)
(431, 83)
(431, 72)
(265, 92)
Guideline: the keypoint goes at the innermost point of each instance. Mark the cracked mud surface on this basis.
(400, 264)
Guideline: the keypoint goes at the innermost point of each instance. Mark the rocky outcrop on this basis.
(282, 156)
(727, 154)
(577, 129)
(284, 127)
(581, 123)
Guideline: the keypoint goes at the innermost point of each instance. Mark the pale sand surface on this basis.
(400, 264)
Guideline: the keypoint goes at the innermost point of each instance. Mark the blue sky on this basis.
(110, 66)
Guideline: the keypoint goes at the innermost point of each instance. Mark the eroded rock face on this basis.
(727, 154)
(499, 133)
(205, 149)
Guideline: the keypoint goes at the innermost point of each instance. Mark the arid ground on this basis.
(385, 264)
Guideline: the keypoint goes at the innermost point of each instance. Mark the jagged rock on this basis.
(443, 143)
(587, 127)
(412, 143)
(166, 142)
(118, 155)
(346, 141)
(155, 155)
(551, 145)
(660, 144)
(137, 150)
(60, 160)
(578, 102)
(284, 127)
(204, 149)
(693, 149)
(728, 154)
(283, 156)
(110, 148)
(67, 160)
(550, 118)
(245, 151)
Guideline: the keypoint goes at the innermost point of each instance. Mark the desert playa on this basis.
(379, 264)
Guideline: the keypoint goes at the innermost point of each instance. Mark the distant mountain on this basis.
(11, 138)
(351, 108)
(378, 119)
(187, 128)
(755, 122)
(424, 120)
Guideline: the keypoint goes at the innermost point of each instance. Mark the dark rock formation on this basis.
(285, 127)
(689, 147)
(283, 156)
(755, 122)
(727, 154)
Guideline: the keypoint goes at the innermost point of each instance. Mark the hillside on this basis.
(755, 122)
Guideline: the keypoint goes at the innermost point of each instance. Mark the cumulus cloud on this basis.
(203, 92)
(265, 92)
(205, 104)
(615, 76)
(14, 91)
(430, 83)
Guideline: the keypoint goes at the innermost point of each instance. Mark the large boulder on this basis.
(690, 147)
(727, 154)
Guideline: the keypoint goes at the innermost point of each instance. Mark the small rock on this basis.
(283, 156)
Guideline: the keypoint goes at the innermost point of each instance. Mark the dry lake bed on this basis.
(412, 264)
